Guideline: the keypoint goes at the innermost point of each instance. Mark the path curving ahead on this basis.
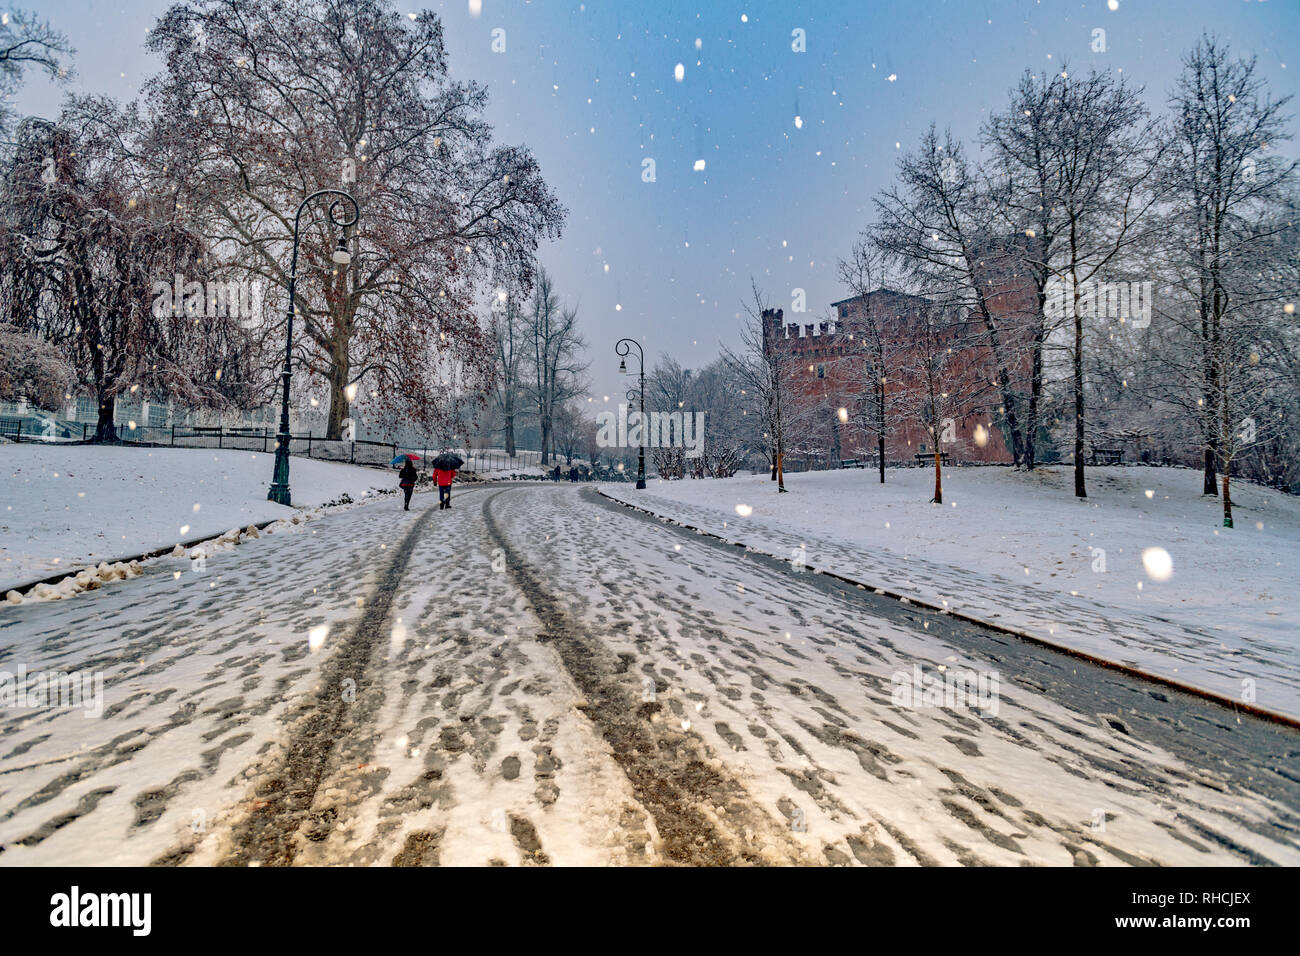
(542, 676)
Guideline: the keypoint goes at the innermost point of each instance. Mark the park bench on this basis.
(1107, 456)
(924, 457)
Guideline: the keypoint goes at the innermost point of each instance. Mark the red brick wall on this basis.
(835, 348)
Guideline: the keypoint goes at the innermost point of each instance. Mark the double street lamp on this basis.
(279, 492)
(622, 348)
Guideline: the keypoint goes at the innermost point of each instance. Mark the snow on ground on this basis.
(458, 756)
(67, 506)
(1020, 550)
(762, 700)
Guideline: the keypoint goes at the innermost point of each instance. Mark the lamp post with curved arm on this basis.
(279, 492)
(622, 347)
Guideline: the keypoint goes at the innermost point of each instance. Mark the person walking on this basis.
(406, 481)
(444, 478)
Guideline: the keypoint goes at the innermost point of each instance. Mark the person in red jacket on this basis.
(444, 476)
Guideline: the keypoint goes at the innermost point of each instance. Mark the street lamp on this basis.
(279, 492)
(622, 347)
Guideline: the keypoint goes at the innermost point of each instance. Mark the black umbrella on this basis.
(448, 461)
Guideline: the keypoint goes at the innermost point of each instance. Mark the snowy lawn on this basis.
(65, 506)
(1022, 551)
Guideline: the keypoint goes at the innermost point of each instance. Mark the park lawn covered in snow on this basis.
(1020, 550)
(65, 506)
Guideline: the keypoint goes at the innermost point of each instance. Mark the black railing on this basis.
(248, 438)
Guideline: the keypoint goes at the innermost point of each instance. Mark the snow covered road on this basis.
(541, 676)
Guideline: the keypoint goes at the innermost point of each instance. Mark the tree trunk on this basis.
(1227, 496)
(510, 430)
(938, 475)
(1210, 485)
(104, 430)
(1226, 443)
(880, 429)
(1035, 393)
(1080, 489)
(338, 408)
(1210, 374)
(1004, 383)
(340, 368)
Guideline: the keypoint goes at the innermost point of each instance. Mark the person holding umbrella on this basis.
(444, 472)
(406, 477)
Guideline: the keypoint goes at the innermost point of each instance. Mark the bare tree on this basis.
(764, 376)
(32, 368)
(509, 337)
(1103, 152)
(27, 41)
(86, 238)
(1228, 180)
(556, 350)
(1020, 184)
(668, 388)
(935, 389)
(878, 350)
(262, 102)
(939, 226)
(727, 434)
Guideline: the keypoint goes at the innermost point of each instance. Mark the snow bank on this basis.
(68, 506)
(1141, 572)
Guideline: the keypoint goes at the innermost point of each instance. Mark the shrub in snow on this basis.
(32, 368)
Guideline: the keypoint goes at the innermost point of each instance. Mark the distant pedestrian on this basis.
(406, 481)
(555, 475)
(573, 473)
(444, 478)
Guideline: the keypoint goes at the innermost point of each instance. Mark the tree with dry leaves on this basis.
(262, 102)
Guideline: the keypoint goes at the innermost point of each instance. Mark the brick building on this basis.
(826, 373)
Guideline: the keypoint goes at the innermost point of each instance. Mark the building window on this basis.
(821, 371)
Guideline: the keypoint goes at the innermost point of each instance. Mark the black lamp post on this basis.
(622, 347)
(279, 492)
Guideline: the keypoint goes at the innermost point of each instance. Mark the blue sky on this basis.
(590, 87)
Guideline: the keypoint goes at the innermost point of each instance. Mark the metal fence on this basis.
(310, 445)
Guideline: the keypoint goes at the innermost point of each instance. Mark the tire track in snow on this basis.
(704, 817)
(282, 803)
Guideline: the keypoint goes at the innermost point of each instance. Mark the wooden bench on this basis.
(1107, 456)
(922, 457)
(852, 463)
